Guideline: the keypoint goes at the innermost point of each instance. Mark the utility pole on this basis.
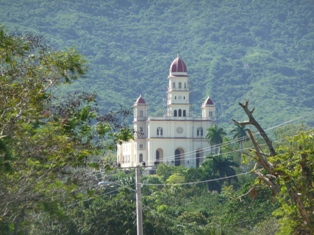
(139, 213)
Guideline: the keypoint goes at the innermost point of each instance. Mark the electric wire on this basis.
(238, 140)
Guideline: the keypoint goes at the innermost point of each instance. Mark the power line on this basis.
(213, 147)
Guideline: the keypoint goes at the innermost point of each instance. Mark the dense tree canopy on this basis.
(44, 138)
(257, 50)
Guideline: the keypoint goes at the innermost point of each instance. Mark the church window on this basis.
(180, 84)
(140, 132)
(141, 113)
(199, 131)
(175, 113)
(159, 156)
(141, 157)
(141, 146)
(184, 97)
(210, 113)
(173, 85)
(185, 85)
(159, 131)
(184, 113)
(180, 113)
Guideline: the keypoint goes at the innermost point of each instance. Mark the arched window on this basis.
(159, 131)
(184, 113)
(175, 113)
(159, 155)
(141, 113)
(179, 157)
(141, 157)
(173, 85)
(199, 131)
(180, 85)
(180, 113)
(185, 85)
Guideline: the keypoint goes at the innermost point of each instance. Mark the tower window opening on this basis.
(199, 131)
(185, 85)
(180, 85)
(140, 132)
(173, 85)
(184, 113)
(175, 113)
(141, 113)
(180, 113)
(141, 157)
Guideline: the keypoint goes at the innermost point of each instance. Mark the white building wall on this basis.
(178, 132)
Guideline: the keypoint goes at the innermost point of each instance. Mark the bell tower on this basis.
(208, 109)
(178, 98)
(140, 116)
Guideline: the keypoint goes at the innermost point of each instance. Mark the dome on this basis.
(178, 68)
(140, 101)
(208, 101)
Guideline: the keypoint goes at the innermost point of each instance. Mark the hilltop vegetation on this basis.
(234, 50)
(54, 151)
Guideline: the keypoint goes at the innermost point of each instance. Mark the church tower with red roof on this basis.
(177, 138)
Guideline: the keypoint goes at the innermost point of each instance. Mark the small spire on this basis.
(178, 55)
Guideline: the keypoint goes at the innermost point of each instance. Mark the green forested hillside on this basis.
(261, 50)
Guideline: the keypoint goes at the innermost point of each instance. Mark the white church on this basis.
(177, 138)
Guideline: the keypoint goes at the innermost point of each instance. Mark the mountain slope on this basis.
(234, 50)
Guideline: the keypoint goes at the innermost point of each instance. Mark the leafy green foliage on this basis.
(295, 166)
(288, 174)
(215, 136)
(257, 50)
(45, 138)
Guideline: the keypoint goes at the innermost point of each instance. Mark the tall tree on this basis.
(218, 167)
(240, 133)
(42, 137)
(288, 172)
(215, 136)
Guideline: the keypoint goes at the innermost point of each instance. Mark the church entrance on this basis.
(159, 156)
(179, 157)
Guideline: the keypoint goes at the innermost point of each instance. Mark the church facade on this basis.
(177, 138)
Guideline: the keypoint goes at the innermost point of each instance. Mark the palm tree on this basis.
(222, 167)
(217, 166)
(215, 136)
(240, 132)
